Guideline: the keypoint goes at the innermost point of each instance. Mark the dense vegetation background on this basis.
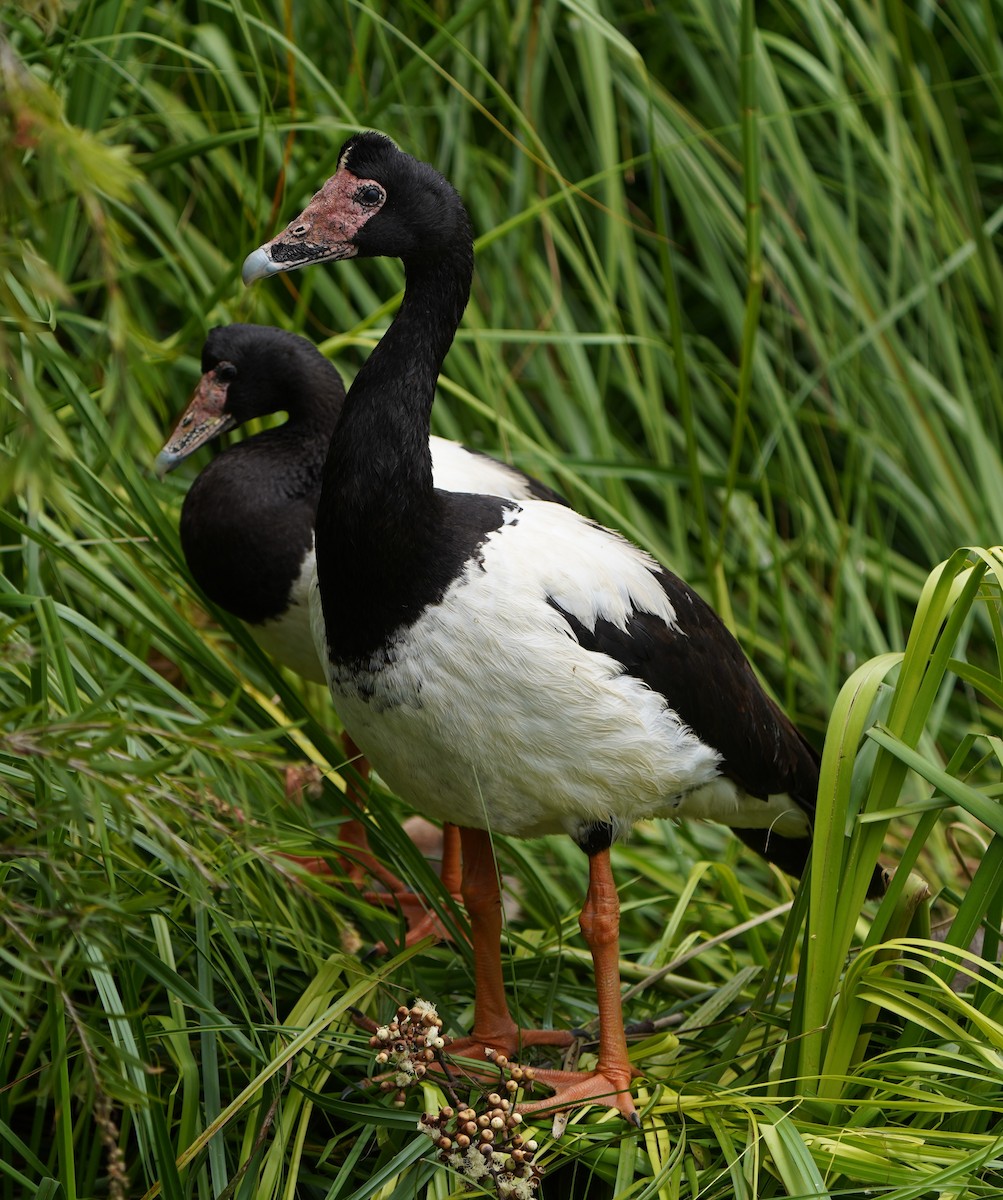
(739, 294)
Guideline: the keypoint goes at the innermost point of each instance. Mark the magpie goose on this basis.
(247, 519)
(510, 665)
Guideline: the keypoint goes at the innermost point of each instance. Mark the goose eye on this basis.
(369, 195)
(226, 372)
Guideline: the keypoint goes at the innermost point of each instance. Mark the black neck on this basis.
(380, 521)
(380, 458)
(312, 398)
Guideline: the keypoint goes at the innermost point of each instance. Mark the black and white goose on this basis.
(247, 520)
(512, 666)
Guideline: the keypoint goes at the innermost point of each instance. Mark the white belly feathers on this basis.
(573, 739)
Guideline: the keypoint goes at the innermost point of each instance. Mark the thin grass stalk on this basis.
(748, 95)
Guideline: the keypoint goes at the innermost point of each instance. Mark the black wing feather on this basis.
(702, 672)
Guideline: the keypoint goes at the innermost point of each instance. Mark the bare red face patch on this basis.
(326, 229)
(202, 420)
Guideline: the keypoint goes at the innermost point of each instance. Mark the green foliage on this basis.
(739, 294)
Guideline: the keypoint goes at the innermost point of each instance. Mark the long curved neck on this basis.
(379, 464)
(379, 533)
(313, 400)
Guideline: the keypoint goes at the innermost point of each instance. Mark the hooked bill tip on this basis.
(165, 461)
(257, 265)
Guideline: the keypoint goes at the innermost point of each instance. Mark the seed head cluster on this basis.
(478, 1145)
(480, 1137)
(486, 1145)
(407, 1046)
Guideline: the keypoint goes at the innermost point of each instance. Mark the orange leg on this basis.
(426, 922)
(423, 921)
(360, 862)
(493, 1024)
(610, 1081)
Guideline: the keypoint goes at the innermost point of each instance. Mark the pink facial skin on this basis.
(201, 421)
(324, 230)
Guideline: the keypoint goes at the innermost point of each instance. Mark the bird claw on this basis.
(572, 1088)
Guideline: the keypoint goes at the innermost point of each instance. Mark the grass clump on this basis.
(738, 294)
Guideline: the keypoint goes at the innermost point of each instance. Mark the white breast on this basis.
(490, 714)
(289, 638)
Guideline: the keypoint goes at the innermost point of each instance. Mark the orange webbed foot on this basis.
(610, 1086)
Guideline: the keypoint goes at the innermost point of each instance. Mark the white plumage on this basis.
(493, 648)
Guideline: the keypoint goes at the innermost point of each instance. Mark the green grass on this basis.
(739, 294)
